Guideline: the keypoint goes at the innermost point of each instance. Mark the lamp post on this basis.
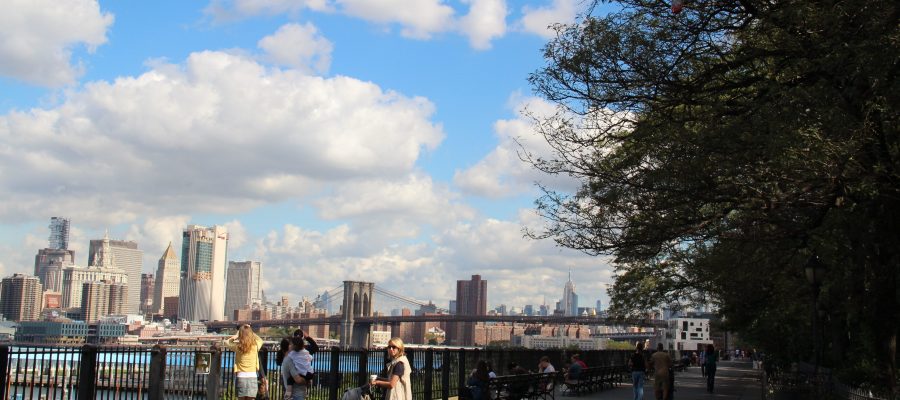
(815, 270)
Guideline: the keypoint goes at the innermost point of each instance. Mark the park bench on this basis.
(526, 386)
(592, 379)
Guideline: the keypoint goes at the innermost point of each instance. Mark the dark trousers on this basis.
(710, 377)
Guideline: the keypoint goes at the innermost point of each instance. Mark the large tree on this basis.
(720, 148)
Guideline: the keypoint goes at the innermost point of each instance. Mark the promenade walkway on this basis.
(735, 380)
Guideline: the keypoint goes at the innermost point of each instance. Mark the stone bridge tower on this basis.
(358, 302)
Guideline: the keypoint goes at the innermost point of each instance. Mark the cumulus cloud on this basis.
(38, 37)
(485, 21)
(537, 19)
(418, 19)
(502, 173)
(226, 10)
(219, 126)
(519, 270)
(298, 46)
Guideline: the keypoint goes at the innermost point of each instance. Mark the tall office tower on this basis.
(471, 299)
(21, 297)
(598, 305)
(202, 292)
(168, 280)
(147, 283)
(242, 286)
(74, 278)
(48, 266)
(124, 255)
(99, 299)
(59, 233)
(569, 302)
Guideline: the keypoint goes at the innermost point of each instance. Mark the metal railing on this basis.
(160, 372)
(804, 382)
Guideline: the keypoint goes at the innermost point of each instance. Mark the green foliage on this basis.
(718, 149)
(617, 345)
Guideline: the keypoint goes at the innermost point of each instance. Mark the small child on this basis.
(302, 362)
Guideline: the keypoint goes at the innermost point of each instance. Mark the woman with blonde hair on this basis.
(246, 346)
(397, 384)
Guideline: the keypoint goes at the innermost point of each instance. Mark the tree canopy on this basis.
(719, 148)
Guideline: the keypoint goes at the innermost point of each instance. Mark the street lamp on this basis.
(815, 270)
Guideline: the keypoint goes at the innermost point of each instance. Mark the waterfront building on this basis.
(69, 332)
(123, 255)
(21, 297)
(147, 284)
(202, 292)
(558, 342)
(471, 299)
(689, 334)
(242, 287)
(168, 281)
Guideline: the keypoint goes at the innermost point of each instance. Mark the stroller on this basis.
(363, 392)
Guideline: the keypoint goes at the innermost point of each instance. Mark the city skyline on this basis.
(343, 143)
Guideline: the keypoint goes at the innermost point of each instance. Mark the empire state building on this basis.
(569, 303)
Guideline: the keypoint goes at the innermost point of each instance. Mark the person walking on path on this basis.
(662, 364)
(246, 346)
(638, 366)
(712, 358)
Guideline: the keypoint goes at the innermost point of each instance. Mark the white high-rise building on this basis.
(73, 279)
(242, 286)
(123, 255)
(168, 279)
(569, 303)
(203, 257)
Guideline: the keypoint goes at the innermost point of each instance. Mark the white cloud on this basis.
(502, 173)
(485, 21)
(537, 20)
(220, 126)
(38, 37)
(418, 19)
(300, 47)
(519, 270)
(226, 10)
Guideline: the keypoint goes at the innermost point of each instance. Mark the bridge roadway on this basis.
(518, 319)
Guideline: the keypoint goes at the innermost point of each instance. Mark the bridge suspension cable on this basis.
(407, 300)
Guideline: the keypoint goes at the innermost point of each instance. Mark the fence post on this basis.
(428, 370)
(87, 376)
(334, 381)
(157, 387)
(214, 378)
(362, 377)
(445, 375)
(4, 370)
(461, 371)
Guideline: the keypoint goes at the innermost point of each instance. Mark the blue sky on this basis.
(336, 139)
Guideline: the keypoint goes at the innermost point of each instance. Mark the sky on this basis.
(372, 140)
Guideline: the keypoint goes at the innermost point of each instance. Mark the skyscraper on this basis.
(147, 284)
(59, 233)
(242, 286)
(99, 299)
(21, 297)
(569, 302)
(168, 280)
(49, 264)
(74, 277)
(202, 292)
(124, 255)
(471, 299)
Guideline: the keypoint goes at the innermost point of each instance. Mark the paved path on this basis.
(735, 380)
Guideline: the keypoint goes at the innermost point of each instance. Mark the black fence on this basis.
(804, 382)
(120, 373)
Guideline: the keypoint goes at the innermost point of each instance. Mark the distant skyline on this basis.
(335, 139)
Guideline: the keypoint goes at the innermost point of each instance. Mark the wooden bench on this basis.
(526, 386)
(594, 378)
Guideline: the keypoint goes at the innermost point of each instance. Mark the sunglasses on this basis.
(390, 346)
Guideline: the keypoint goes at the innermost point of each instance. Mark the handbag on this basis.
(262, 389)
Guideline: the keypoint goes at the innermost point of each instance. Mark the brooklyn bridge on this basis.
(357, 317)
